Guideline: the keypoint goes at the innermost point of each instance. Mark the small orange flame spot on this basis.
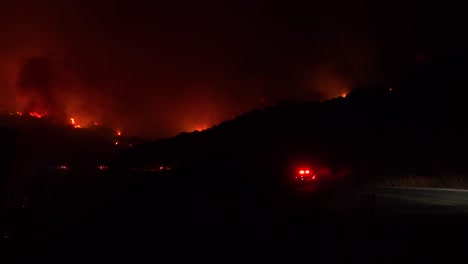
(119, 133)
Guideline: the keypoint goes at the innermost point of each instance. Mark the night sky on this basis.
(156, 69)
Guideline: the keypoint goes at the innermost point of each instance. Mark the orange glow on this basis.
(200, 129)
(35, 114)
(96, 123)
(301, 172)
(344, 95)
(119, 133)
(116, 143)
(201, 126)
(307, 172)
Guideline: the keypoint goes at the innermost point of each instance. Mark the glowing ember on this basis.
(96, 123)
(35, 114)
(119, 133)
(116, 143)
(344, 95)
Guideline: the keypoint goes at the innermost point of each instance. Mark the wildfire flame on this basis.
(73, 122)
(36, 114)
(119, 133)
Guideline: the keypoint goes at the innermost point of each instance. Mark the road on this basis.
(201, 225)
(418, 200)
(400, 201)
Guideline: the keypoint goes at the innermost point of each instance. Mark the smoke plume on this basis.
(37, 90)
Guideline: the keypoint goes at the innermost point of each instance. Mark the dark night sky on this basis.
(156, 69)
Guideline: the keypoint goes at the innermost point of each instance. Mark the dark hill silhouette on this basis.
(33, 148)
(411, 127)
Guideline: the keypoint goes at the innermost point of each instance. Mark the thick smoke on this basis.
(37, 88)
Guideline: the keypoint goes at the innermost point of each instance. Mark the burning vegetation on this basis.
(73, 122)
(35, 114)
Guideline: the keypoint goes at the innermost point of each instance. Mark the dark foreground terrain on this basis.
(156, 218)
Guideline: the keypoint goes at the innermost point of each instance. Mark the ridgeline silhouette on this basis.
(416, 126)
(413, 126)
